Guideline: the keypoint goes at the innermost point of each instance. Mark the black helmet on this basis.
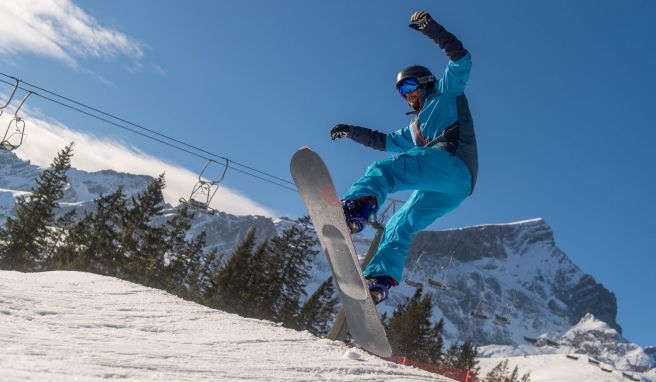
(421, 73)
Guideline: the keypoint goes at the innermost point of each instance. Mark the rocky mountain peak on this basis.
(604, 343)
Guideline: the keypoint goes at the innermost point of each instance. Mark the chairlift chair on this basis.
(504, 317)
(414, 284)
(477, 313)
(437, 284)
(411, 282)
(531, 340)
(552, 343)
(630, 376)
(441, 283)
(593, 361)
(15, 132)
(204, 190)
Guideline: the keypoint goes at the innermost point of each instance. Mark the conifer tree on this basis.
(63, 227)
(173, 271)
(288, 271)
(186, 269)
(255, 281)
(410, 331)
(501, 373)
(93, 244)
(27, 237)
(463, 357)
(228, 282)
(198, 280)
(319, 309)
(144, 242)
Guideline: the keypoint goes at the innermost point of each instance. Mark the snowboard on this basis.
(318, 192)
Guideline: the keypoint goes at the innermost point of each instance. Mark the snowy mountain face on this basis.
(17, 177)
(597, 339)
(513, 274)
(651, 350)
(225, 231)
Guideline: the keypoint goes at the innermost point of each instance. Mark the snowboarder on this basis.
(437, 157)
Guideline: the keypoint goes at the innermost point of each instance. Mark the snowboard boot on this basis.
(379, 287)
(357, 212)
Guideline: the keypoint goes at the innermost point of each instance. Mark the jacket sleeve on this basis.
(457, 71)
(397, 141)
(400, 140)
(368, 137)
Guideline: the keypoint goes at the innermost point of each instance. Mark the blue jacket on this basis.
(444, 122)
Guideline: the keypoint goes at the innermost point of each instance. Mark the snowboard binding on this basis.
(357, 212)
(379, 287)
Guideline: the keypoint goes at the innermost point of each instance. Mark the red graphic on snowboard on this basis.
(328, 195)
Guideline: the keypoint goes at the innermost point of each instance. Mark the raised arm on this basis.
(457, 70)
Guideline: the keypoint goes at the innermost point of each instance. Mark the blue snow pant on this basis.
(441, 182)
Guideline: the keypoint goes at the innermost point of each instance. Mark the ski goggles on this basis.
(408, 85)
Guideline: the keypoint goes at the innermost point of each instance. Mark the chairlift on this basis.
(593, 361)
(378, 218)
(411, 282)
(575, 357)
(552, 343)
(414, 284)
(204, 190)
(606, 368)
(15, 132)
(630, 376)
(477, 313)
(11, 97)
(504, 317)
(441, 283)
(531, 340)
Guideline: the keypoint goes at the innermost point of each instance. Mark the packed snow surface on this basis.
(559, 368)
(66, 326)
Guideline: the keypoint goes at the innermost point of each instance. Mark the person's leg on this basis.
(415, 215)
(428, 169)
(442, 182)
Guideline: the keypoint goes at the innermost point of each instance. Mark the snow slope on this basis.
(65, 326)
(557, 368)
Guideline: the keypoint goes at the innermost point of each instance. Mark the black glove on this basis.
(340, 131)
(419, 20)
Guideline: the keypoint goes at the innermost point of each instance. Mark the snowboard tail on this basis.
(318, 192)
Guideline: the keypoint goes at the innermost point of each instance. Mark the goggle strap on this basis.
(426, 79)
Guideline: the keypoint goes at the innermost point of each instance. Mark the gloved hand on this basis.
(340, 131)
(419, 20)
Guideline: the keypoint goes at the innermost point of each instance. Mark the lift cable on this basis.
(248, 170)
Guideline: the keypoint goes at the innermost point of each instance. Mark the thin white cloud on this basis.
(44, 139)
(61, 30)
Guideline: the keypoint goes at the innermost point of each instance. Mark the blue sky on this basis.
(561, 92)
